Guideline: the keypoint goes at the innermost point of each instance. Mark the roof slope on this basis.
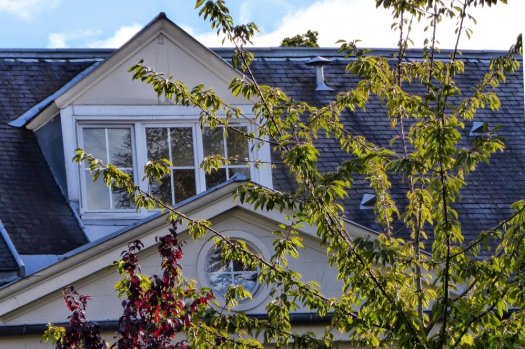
(7, 259)
(34, 213)
(486, 199)
(490, 190)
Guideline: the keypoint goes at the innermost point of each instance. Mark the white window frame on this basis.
(261, 293)
(74, 118)
(85, 174)
(197, 150)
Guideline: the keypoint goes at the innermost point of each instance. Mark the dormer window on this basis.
(182, 142)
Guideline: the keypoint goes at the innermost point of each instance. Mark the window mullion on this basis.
(107, 162)
(141, 154)
(225, 154)
(251, 146)
(198, 146)
(172, 172)
(232, 274)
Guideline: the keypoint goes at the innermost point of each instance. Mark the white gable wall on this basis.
(164, 54)
(105, 305)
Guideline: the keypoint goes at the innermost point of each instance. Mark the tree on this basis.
(394, 291)
(308, 39)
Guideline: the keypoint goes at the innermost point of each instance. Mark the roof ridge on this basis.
(55, 53)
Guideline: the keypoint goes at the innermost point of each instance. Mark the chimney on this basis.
(319, 62)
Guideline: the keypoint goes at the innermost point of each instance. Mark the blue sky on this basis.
(109, 23)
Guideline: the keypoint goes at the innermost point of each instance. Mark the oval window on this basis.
(222, 274)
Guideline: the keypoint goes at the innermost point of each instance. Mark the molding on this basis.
(144, 111)
(113, 325)
(43, 117)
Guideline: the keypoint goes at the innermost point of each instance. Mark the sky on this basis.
(110, 23)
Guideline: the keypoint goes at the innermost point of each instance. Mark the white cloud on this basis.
(26, 9)
(57, 40)
(360, 19)
(91, 38)
(62, 40)
(121, 36)
(208, 39)
(334, 20)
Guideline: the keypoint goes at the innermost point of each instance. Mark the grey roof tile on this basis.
(34, 213)
(43, 223)
(492, 188)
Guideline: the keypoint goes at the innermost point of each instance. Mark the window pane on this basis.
(162, 190)
(222, 275)
(95, 142)
(215, 177)
(182, 146)
(111, 145)
(247, 279)
(121, 198)
(157, 143)
(237, 145)
(119, 142)
(213, 141)
(220, 282)
(216, 264)
(97, 193)
(184, 182)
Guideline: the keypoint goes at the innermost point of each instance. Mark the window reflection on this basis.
(221, 275)
(234, 147)
(110, 145)
(176, 145)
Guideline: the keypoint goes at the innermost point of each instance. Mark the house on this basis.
(59, 228)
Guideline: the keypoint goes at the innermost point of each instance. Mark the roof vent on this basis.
(479, 129)
(368, 201)
(319, 62)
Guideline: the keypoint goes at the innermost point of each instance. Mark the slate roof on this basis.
(7, 258)
(39, 220)
(32, 208)
(490, 190)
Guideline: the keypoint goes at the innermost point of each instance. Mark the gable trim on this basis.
(39, 114)
(5, 235)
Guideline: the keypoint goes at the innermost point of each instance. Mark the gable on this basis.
(166, 48)
(30, 300)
